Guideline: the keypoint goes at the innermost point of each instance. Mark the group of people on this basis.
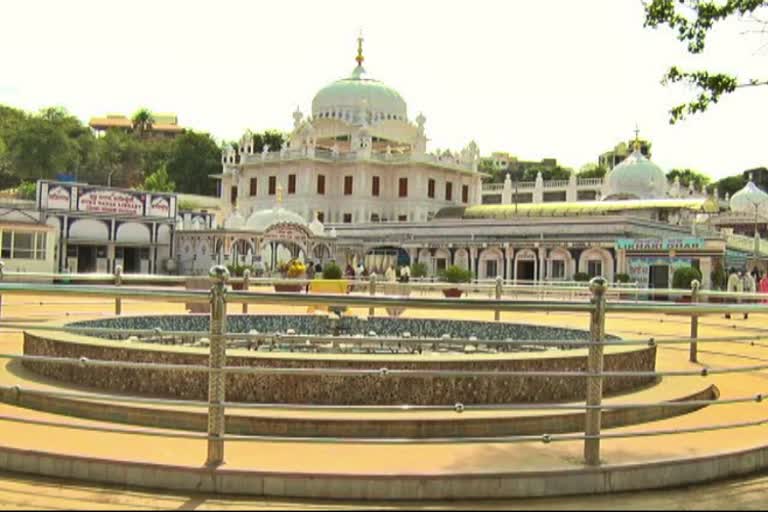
(746, 282)
(390, 275)
(314, 269)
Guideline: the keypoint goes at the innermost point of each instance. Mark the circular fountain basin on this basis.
(378, 388)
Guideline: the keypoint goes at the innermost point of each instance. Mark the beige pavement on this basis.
(444, 459)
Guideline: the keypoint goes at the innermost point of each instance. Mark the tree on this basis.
(592, 170)
(194, 156)
(41, 150)
(693, 20)
(689, 175)
(273, 138)
(119, 159)
(142, 121)
(159, 181)
(547, 173)
(729, 185)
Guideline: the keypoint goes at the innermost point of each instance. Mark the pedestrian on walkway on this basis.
(735, 284)
(748, 287)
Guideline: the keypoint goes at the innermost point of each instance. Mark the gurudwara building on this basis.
(355, 183)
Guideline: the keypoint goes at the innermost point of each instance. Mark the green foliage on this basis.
(50, 142)
(730, 185)
(684, 276)
(622, 278)
(418, 269)
(693, 20)
(689, 175)
(331, 271)
(581, 277)
(237, 270)
(718, 276)
(547, 173)
(592, 170)
(142, 121)
(158, 181)
(194, 156)
(456, 274)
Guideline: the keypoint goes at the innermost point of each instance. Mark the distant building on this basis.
(503, 161)
(164, 125)
(621, 151)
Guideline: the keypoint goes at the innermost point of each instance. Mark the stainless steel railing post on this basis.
(693, 357)
(118, 282)
(499, 291)
(246, 284)
(217, 360)
(595, 367)
(372, 292)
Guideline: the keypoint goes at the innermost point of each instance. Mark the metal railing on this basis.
(598, 307)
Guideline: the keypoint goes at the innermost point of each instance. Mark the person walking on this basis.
(748, 287)
(763, 286)
(735, 284)
(389, 275)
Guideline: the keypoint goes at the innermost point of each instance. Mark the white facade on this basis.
(357, 158)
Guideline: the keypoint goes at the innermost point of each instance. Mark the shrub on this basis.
(581, 277)
(331, 271)
(623, 278)
(454, 274)
(718, 277)
(236, 270)
(683, 277)
(27, 190)
(419, 269)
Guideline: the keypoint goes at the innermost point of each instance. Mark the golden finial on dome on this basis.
(636, 144)
(360, 57)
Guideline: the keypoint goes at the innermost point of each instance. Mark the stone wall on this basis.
(357, 390)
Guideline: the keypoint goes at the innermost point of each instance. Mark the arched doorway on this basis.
(379, 259)
(526, 265)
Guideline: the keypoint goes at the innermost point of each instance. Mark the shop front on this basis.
(101, 228)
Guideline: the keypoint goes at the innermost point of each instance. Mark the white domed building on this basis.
(356, 158)
(635, 178)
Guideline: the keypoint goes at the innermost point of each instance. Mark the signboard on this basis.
(58, 198)
(286, 232)
(636, 244)
(159, 207)
(110, 201)
(77, 197)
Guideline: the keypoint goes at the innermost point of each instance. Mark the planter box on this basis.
(295, 288)
(453, 292)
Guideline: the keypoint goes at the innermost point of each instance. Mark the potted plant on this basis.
(293, 269)
(623, 279)
(455, 274)
(581, 277)
(682, 279)
(237, 270)
(418, 270)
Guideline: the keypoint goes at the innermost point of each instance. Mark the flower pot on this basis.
(288, 287)
(453, 292)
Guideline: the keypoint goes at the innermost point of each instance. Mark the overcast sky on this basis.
(546, 78)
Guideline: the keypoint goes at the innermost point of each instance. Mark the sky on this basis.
(547, 78)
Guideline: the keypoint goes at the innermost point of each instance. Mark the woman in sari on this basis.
(763, 286)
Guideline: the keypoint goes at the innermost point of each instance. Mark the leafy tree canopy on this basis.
(592, 170)
(687, 176)
(159, 181)
(693, 20)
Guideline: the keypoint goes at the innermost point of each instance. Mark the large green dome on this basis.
(345, 99)
(635, 178)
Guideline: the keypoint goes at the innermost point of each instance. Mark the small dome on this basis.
(635, 178)
(234, 221)
(749, 197)
(261, 220)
